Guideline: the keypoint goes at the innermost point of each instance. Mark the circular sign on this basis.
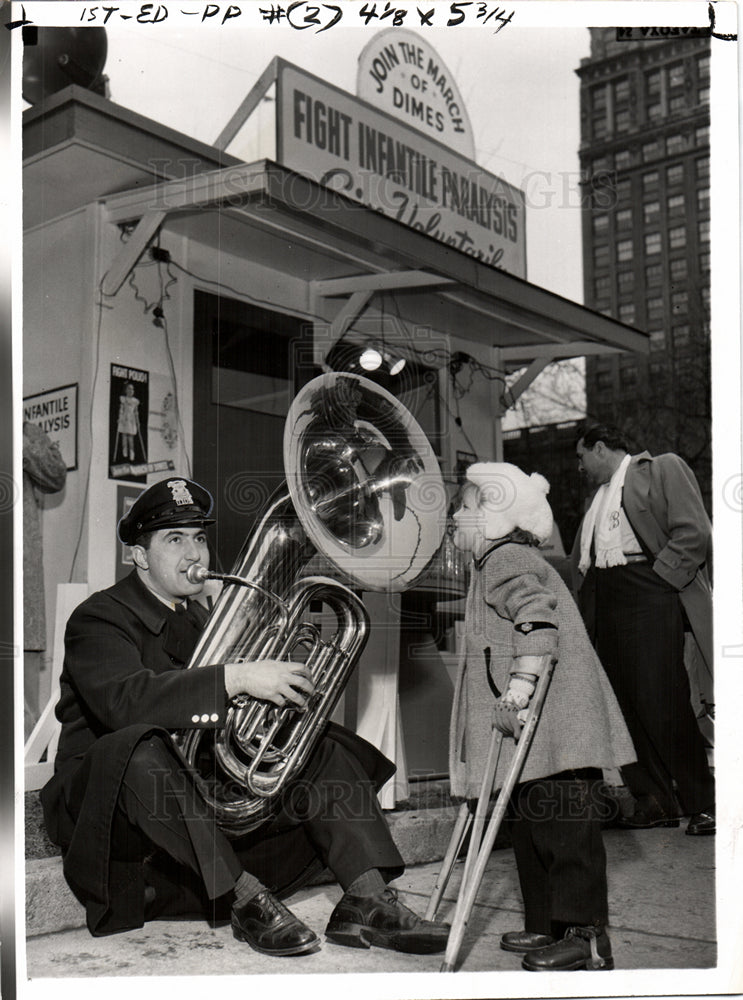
(400, 73)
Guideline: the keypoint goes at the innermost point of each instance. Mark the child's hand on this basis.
(508, 718)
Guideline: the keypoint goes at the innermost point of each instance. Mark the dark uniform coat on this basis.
(581, 724)
(123, 679)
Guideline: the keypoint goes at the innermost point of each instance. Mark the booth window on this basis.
(252, 354)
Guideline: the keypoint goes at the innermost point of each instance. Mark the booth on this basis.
(201, 291)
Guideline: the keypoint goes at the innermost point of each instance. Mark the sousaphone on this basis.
(364, 491)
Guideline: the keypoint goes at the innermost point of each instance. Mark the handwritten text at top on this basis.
(303, 15)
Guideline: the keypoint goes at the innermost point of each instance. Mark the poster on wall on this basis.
(127, 429)
(55, 412)
(125, 497)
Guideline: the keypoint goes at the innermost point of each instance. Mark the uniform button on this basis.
(204, 717)
(194, 718)
(215, 717)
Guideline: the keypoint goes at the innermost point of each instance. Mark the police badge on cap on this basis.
(171, 503)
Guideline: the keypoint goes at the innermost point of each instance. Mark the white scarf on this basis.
(603, 520)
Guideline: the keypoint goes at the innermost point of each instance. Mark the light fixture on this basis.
(370, 359)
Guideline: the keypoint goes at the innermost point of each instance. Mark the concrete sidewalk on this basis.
(661, 903)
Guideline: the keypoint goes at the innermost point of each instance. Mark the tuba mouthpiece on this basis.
(196, 573)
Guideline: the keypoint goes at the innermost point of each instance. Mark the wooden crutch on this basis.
(481, 846)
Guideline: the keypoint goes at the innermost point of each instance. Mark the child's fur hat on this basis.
(522, 499)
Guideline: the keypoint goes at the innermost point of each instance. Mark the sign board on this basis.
(402, 74)
(55, 412)
(346, 144)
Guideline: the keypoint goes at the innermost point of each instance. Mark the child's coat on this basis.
(581, 723)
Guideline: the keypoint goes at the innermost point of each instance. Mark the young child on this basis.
(518, 611)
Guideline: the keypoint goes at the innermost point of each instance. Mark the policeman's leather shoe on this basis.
(641, 820)
(361, 921)
(581, 948)
(269, 927)
(702, 824)
(523, 941)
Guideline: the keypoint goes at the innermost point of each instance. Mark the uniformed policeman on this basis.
(137, 838)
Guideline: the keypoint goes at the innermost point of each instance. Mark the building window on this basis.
(627, 312)
(623, 189)
(650, 150)
(600, 165)
(705, 299)
(704, 262)
(652, 243)
(598, 98)
(678, 269)
(702, 167)
(703, 95)
(622, 159)
(703, 200)
(677, 237)
(604, 380)
(621, 121)
(601, 255)
(657, 340)
(600, 225)
(703, 230)
(651, 211)
(702, 66)
(624, 250)
(654, 309)
(679, 303)
(677, 103)
(621, 90)
(675, 174)
(675, 144)
(657, 368)
(681, 335)
(625, 282)
(676, 75)
(653, 274)
(602, 288)
(650, 180)
(655, 112)
(624, 218)
(701, 135)
(599, 126)
(652, 81)
(628, 375)
(676, 204)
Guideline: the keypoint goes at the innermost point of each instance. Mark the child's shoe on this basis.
(581, 948)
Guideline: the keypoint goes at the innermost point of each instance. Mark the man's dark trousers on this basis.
(639, 637)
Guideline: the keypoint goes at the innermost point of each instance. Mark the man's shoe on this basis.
(361, 921)
(641, 820)
(702, 824)
(581, 948)
(269, 927)
(523, 941)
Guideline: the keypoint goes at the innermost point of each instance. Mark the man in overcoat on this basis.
(641, 563)
(137, 837)
(44, 472)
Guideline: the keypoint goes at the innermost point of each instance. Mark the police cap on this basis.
(171, 503)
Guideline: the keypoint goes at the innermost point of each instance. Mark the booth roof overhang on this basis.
(262, 211)
(266, 213)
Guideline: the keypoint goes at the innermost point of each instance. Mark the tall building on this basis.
(646, 230)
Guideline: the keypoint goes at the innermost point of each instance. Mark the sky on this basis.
(519, 86)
